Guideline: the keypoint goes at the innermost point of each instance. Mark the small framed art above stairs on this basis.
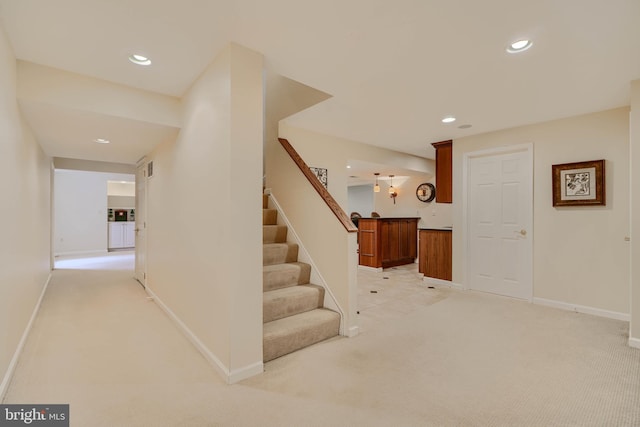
(294, 311)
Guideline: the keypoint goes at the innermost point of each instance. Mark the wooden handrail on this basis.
(328, 199)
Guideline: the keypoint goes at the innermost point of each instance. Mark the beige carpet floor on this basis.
(425, 357)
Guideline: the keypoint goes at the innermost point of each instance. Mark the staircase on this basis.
(293, 313)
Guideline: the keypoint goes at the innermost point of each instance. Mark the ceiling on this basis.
(394, 69)
(362, 173)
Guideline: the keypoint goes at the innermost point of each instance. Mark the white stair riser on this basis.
(269, 217)
(274, 233)
(279, 253)
(284, 275)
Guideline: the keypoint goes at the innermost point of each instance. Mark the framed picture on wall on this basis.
(321, 174)
(579, 184)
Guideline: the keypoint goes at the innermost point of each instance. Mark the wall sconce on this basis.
(376, 188)
(392, 191)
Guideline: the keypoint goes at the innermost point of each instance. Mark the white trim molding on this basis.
(237, 375)
(374, 269)
(634, 342)
(582, 309)
(440, 282)
(230, 377)
(4, 386)
(353, 331)
(82, 253)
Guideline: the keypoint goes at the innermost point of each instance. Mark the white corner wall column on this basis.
(206, 273)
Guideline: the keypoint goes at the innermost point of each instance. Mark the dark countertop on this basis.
(392, 217)
(437, 228)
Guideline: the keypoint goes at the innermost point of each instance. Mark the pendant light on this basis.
(392, 191)
(376, 188)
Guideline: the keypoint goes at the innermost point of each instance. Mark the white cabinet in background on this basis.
(122, 235)
(129, 234)
(116, 235)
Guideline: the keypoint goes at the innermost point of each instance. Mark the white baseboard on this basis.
(4, 386)
(582, 309)
(248, 371)
(229, 376)
(634, 342)
(375, 269)
(434, 281)
(353, 331)
(82, 253)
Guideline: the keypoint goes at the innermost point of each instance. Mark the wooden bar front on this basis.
(387, 242)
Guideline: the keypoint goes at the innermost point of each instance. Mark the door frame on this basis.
(527, 149)
(141, 165)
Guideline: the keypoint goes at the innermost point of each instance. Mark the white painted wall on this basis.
(634, 127)
(121, 188)
(580, 253)
(121, 202)
(431, 214)
(92, 165)
(80, 211)
(58, 87)
(204, 226)
(334, 154)
(24, 215)
(360, 199)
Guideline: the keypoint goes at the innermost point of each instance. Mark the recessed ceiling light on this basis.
(464, 126)
(101, 141)
(348, 166)
(519, 46)
(139, 59)
(449, 119)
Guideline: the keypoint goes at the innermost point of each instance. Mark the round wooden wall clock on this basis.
(426, 192)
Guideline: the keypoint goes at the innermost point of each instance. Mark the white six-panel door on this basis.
(499, 220)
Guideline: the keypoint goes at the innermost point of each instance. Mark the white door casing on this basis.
(141, 223)
(498, 219)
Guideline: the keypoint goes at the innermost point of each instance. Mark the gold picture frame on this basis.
(579, 184)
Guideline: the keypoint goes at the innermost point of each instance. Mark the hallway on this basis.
(424, 357)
